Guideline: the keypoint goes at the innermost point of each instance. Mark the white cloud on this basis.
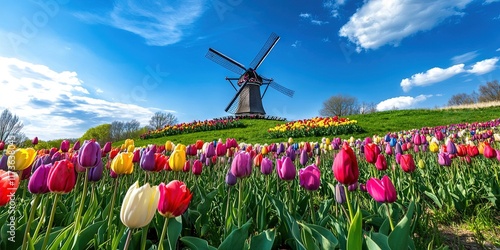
(305, 15)
(333, 6)
(431, 76)
(497, 49)
(161, 22)
(380, 22)
(318, 22)
(401, 102)
(464, 57)
(55, 104)
(490, 1)
(484, 66)
(309, 17)
(99, 90)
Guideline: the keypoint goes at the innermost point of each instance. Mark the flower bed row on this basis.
(318, 126)
(196, 126)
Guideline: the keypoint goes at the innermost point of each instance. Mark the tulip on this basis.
(56, 157)
(147, 161)
(197, 167)
(9, 182)
(461, 150)
(451, 148)
(444, 159)
(280, 149)
(353, 187)
(136, 155)
(388, 149)
(340, 196)
(241, 166)
(2, 145)
(177, 160)
(38, 181)
(107, 148)
(139, 205)
(303, 157)
(381, 163)
(230, 179)
(52, 151)
(62, 177)
(286, 169)
(421, 164)
(371, 152)
(89, 154)
(64, 146)
(381, 190)
(417, 140)
(3, 163)
(187, 167)
(122, 163)
(160, 162)
(489, 152)
(113, 153)
(266, 166)
(345, 166)
(407, 163)
(290, 152)
(309, 177)
(174, 199)
(220, 149)
(23, 158)
(209, 150)
(95, 173)
(472, 150)
(34, 141)
(76, 146)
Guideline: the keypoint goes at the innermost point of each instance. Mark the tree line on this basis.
(488, 92)
(343, 105)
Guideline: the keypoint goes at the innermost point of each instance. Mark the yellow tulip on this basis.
(180, 147)
(290, 140)
(122, 163)
(169, 146)
(127, 144)
(327, 141)
(23, 158)
(264, 150)
(177, 160)
(433, 147)
(139, 205)
(131, 148)
(421, 164)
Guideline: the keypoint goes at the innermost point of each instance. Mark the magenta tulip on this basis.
(285, 168)
(345, 166)
(381, 190)
(309, 177)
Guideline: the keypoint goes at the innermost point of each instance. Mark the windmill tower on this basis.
(248, 98)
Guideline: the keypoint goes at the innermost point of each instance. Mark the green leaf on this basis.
(87, 235)
(236, 239)
(380, 240)
(399, 238)
(323, 237)
(195, 243)
(355, 235)
(174, 230)
(291, 225)
(263, 241)
(307, 238)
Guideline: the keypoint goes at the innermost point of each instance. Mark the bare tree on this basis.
(463, 98)
(10, 125)
(130, 128)
(340, 105)
(160, 120)
(367, 108)
(489, 92)
(116, 130)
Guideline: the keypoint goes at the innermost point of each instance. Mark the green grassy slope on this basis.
(376, 123)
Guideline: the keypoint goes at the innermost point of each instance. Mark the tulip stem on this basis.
(227, 211)
(240, 200)
(163, 232)
(110, 216)
(311, 207)
(32, 214)
(44, 211)
(127, 242)
(348, 201)
(51, 220)
(389, 215)
(82, 203)
(144, 236)
(289, 198)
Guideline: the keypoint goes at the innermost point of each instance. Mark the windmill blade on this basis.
(268, 46)
(233, 101)
(282, 88)
(225, 61)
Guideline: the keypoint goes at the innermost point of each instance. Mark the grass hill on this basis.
(255, 130)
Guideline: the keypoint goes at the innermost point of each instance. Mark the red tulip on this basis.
(197, 167)
(407, 163)
(174, 198)
(371, 152)
(9, 182)
(381, 163)
(62, 177)
(345, 166)
(489, 152)
(381, 190)
(472, 150)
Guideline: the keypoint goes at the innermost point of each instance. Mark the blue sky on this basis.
(66, 66)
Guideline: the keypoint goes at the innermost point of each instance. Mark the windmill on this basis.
(248, 100)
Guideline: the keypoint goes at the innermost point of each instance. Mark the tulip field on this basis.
(390, 191)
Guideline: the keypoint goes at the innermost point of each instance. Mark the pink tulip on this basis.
(381, 190)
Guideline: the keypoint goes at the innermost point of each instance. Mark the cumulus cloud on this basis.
(431, 76)
(160, 23)
(380, 22)
(55, 104)
(484, 66)
(401, 102)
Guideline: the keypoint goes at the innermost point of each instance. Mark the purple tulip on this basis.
(37, 163)
(76, 146)
(451, 148)
(241, 166)
(266, 166)
(89, 154)
(95, 173)
(3, 163)
(399, 149)
(64, 146)
(35, 141)
(286, 169)
(56, 157)
(340, 193)
(444, 159)
(210, 150)
(147, 161)
(38, 182)
(309, 177)
(353, 187)
(230, 179)
(280, 149)
(303, 157)
(290, 152)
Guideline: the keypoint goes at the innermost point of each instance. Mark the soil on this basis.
(460, 238)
